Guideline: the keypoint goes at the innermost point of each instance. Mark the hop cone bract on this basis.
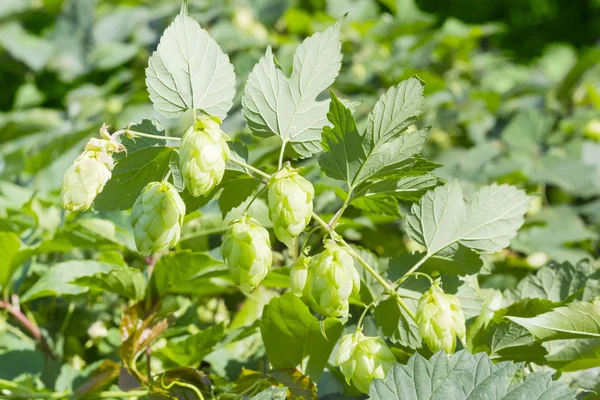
(331, 280)
(290, 204)
(362, 358)
(440, 319)
(157, 216)
(298, 275)
(203, 156)
(247, 251)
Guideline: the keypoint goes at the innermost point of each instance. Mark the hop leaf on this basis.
(247, 251)
(203, 156)
(156, 217)
(362, 358)
(440, 319)
(290, 204)
(331, 280)
(299, 274)
(85, 178)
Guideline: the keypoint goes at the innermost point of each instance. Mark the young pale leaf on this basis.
(576, 320)
(190, 71)
(126, 282)
(486, 223)
(288, 324)
(57, 281)
(131, 175)
(465, 376)
(276, 105)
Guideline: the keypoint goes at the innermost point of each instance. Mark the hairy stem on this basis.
(30, 326)
(336, 217)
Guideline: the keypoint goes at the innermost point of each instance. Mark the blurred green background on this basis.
(512, 96)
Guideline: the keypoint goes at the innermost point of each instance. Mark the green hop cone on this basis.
(440, 319)
(203, 156)
(85, 179)
(362, 358)
(331, 280)
(156, 217)
(298, 275)
(247, 251)
(290, 204)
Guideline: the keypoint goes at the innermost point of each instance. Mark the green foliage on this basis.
(425, 157)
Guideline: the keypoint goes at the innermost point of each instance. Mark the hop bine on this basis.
(203, 156)
(362, 358)
(290, 204)
(440, 319)
(90, 171)
(247, 251)
(331, 280)
(157, 216)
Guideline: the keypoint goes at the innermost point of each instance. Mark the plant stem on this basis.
(413, 269)
(65, 324)
(135, 133)
(30, 326)
(281, 153)
(251, 168)
(254, 198)
(334, 220)
(121, 394)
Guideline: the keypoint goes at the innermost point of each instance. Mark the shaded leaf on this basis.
(288, 324)
(126, 282)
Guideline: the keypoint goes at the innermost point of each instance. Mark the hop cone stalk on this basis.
(440, 319)
(247, 251)
(331, 280)
(362, 358)
(88, 174)
(290, 204)
(298, 275)
(157, 216)
(203, 156)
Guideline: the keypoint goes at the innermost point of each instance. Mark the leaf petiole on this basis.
(129, 132)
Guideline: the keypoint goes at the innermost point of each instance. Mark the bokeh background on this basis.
(513, 96)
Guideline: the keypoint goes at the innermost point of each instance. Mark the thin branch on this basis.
(30, 326)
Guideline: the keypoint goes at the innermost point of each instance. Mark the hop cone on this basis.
(157, 216)
(362, 358)
(85, 178)
(290, 204)
(203, 156)
(298, 275)
(331, 280)
(247, 251)
(440, 319)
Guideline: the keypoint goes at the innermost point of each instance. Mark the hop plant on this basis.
(247, 251)
(299, 274)
(203, 156)
(290, 204)
(440, 319)
(331, 280)
(362, 358)
(157, 216)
